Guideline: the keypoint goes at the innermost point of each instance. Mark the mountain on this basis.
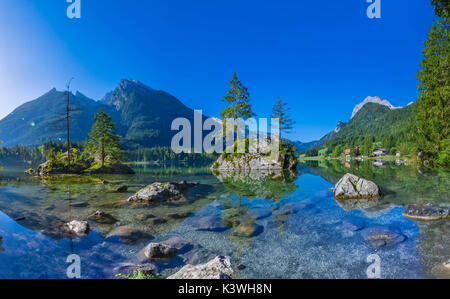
(143, 116)
(377, 121)
(330, 135)
(33, 123)
(303, 146)
(375, 100)
(373, 117)
(146, 113)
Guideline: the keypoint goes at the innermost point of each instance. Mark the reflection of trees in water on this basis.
(273, 185)
(158, 169)
(235, 212)
(259, 184)
(400, 185)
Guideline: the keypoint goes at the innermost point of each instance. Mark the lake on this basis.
(300, 231)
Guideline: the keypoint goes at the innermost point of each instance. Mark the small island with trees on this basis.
(255, 152)
(102, 153)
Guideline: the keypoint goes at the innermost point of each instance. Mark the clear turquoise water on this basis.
(302, 235)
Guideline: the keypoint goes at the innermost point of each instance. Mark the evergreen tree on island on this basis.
(103, 140)
(281, 111)
(238, 102)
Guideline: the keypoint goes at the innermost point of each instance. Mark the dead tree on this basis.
(64, 120)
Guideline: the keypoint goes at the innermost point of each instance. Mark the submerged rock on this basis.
(156, 221)
(248, 229)
(380, 237)
(144, 217)
(161, 192)
(218, 268)
(260, 213)
(181, 215)
(102, 218)
(428, 212)
(441, 271)
(352, 187)
(78, 227)
(129, 235)
(121, 189)
(157, 252)
(198, 255)
(1, 240)
(208, 223)
(353, 223)
(176, 242)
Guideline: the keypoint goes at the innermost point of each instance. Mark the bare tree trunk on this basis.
(103, 154)
(68, 128)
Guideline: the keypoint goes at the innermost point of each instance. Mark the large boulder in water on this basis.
(350, 187)
(129, 235)
(78, 227)
(161, 192)
(157, 252)
(218, 268)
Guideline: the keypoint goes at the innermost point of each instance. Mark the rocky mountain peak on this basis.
(376, 100)
(118, 96)
(339, 127)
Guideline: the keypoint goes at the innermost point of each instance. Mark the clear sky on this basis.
(322, 57)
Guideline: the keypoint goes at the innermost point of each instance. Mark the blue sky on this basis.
(322, 57)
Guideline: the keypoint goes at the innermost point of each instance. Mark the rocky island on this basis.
(257, 156)
(101, 154)
(82, 164)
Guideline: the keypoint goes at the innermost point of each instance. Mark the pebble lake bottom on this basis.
(297, 229)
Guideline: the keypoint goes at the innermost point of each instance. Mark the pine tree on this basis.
(337, 151)
(366, 149)
(431, 118)
(103, 139)
(280, 111)
(238, 102)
